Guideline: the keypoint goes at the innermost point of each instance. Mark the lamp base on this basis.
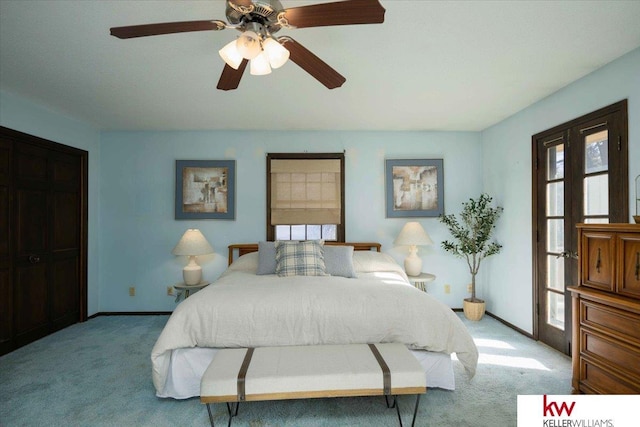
(192, 272)
(413, 263)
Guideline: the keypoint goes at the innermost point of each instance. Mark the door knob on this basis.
(34, 259)
(567, 254)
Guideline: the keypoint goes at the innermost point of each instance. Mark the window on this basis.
(305, 196)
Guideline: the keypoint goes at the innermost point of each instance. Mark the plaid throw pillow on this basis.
(300, 258)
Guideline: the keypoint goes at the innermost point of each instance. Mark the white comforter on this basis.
(242, 309)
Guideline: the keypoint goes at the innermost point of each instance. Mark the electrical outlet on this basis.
(469, 289)
(170, 291)
(447, 289)
(132, 291)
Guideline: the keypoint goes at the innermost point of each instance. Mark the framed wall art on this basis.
(414, 188)
(205, 189)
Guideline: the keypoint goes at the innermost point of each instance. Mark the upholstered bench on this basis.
(302, 372)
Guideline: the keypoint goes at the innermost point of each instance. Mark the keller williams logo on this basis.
(552, 409)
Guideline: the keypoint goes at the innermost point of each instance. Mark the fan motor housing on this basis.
(264, 12)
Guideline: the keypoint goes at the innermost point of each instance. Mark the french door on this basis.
(580, 175)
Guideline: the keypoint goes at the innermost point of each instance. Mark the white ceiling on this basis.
(432, 65)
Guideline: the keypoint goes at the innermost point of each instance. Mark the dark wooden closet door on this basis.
(6, 287)
(31, 293)
(65, 239)
(43, 260)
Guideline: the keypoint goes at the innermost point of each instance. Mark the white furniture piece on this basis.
(187, 289)
(304, 372)
(420, 281)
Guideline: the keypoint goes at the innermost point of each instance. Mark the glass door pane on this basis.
(596, 152)
(596, 195)
(555, 238)
(555, 310)
(596, 177)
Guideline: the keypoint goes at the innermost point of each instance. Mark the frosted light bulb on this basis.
(248, 45)
(260, 65)
(278, 54)
(231, 55)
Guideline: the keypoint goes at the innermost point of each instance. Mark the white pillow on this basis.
(370, 261)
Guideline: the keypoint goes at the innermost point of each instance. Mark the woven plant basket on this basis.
(473, 310)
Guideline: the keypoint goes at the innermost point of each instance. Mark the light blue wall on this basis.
(132, 230)
(137, 197)
(25, 116)
(507, 280)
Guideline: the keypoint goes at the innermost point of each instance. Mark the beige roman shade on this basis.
(305, 191)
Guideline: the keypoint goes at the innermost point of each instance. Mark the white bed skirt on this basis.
(187, 367)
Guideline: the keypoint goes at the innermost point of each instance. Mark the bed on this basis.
(367, 299)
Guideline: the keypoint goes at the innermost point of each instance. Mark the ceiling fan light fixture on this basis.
(231, 55)
(257, 21)
(260, 65)
(248, 45)
(278, 54)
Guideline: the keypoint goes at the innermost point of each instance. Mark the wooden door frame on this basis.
(24, 138)
(618, 107)
(556, 133)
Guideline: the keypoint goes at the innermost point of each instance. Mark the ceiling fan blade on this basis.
(339, 13)
(166, 28)
(313, 65)
(230, 78)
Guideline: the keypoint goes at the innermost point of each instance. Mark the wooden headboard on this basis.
(238, 249)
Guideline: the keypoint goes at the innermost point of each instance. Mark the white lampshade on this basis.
(260, 65)
(231, 55)
(413, 235)
(278, 54)
(248, 45)
(191, 244)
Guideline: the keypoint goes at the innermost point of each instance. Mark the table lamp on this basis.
(192, 244)
(413, 235)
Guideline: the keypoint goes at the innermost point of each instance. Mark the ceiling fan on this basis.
(257, 21)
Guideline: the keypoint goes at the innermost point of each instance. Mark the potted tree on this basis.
(471, 241)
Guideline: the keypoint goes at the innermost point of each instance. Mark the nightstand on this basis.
(421, 281)
(187, 289)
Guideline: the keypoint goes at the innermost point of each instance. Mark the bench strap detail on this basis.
(386, 373)
(243, 374)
